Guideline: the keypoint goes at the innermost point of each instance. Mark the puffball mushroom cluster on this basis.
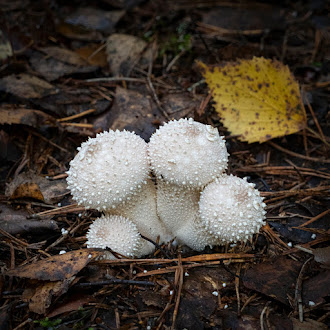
(175, 186)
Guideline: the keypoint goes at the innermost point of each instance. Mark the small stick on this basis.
(314, 218)
(23, 324)
(262, 316)
(83, 125)
(157, 246)
(237, 289)
(116, 79)
(294, 154)
(152, 89)
(116, 281)
(177, 302)
(315, 119)
(298, 298)
(48, 141)
(78, 115)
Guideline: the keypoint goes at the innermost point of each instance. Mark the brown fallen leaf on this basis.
(275, 279)
(198, 301)
(322, 255)
(31, 185)
(94, 19)
(308, 324)
(124, 52)
(74, 303)
(252, 19)
(16, 222)
(52, 67)
(27, 190)
(56, 268)
(40, 297)
(26, 86)
(94, 54)
(64, 55)
(35, 118)
(132, 111)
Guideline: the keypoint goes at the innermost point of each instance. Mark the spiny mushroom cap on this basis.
(115, 232)
(231, 209)
(187, 153)
(108, 169)
(177, 207)
(141, 209)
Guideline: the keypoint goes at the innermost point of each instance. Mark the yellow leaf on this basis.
(257, 99)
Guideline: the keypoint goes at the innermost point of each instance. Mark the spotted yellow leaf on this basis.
(256, 99)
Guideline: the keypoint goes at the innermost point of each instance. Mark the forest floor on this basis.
(71, 70)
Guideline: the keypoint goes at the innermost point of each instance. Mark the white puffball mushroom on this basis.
(117, 233)
(231, 209)
(108, 169)
(177, 207)
(187, 153)
(141, 209)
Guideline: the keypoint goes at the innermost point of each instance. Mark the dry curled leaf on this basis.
(256, 99)
(30, 117)
(26, 86)
(56, 268)
(41, 296)
(31, 185)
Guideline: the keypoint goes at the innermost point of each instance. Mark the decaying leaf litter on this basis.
(64, 78)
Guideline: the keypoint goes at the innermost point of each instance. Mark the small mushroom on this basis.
(187, 153)
(117, 233)
(108, 169)
(231, 209)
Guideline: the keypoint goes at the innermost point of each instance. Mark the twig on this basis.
(48, 141)
(106, 79)
(315, 119)
(116, 281)
(237, 289)
(96, 51)
(83, 125)
(203, 104)
(78, 115)
(193, 259)
(23, 324)
(58, 210)
(248, 301)
(157, 246)
(294, 154)
(178, 295)
(319, 216)
(298, 297)
(169, 66)
(262, 316)
(152, 89)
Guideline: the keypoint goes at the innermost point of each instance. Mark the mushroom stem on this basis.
(177, 207)
(141, 209)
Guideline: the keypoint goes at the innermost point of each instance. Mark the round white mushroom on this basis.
(117, 233)
(187, 153)
(108, 169)
(231, 209)
(141, 209)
